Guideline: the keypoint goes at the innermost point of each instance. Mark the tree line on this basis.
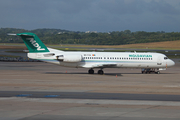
(59, 36)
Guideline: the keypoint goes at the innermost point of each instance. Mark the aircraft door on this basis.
(159, 60)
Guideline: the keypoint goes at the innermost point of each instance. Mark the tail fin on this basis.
(33, 43)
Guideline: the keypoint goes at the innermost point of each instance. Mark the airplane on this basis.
(148, 62)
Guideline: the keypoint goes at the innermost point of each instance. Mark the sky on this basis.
(92, 15)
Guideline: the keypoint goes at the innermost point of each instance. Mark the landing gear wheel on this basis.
(100, 72)
(149, 71)
(157, 72)
(91, 71)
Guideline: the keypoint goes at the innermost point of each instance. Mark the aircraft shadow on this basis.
(108, 74)
(64, 73)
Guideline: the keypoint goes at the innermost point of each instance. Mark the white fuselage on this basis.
(104, 59)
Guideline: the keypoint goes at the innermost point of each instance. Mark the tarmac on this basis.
(37, 90)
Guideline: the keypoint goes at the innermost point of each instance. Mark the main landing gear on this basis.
(91, 71)
(101, 72)
(149, 71)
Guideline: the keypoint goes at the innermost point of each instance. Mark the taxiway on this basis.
(37, 90)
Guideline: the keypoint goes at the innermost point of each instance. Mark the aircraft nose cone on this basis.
(171, 63)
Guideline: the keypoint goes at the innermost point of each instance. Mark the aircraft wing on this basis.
(102, 65)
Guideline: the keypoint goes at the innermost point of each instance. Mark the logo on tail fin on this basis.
(35, 44)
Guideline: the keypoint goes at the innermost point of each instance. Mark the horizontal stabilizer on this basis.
(11, 34)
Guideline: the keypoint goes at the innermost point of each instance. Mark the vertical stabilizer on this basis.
(33, 43)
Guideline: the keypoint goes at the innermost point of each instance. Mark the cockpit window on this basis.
(165, 58)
